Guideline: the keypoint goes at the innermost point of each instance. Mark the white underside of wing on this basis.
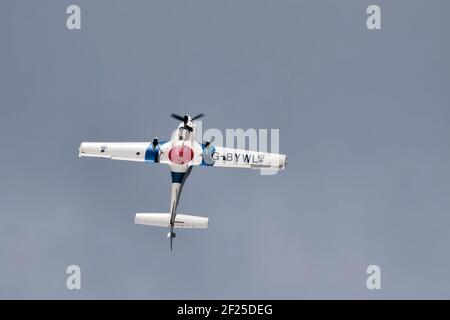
(238, 158)
(129, 151)
(163, 220)
(213, 156)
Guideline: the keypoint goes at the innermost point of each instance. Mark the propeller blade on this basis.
(200, 115)
(175, 116)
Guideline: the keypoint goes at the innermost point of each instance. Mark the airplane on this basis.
(181, 153)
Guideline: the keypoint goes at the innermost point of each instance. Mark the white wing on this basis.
(131, 151)
(238, 158)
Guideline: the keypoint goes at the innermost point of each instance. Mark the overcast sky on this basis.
(363, 117)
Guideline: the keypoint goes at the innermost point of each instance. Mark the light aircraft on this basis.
(181, 153)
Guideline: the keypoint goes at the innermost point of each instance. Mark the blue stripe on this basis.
(177, 177)
(207, 153)
(151, 155)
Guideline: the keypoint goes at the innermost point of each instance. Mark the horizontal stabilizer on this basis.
(163, 220)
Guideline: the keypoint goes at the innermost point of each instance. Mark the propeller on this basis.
(185, 118)
(200, 115)
(178, 117)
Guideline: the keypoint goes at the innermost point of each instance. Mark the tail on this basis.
(163, 220)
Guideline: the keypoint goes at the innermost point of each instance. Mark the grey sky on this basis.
(363, 117)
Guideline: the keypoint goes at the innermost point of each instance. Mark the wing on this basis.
(238, 158)
(130, 151)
